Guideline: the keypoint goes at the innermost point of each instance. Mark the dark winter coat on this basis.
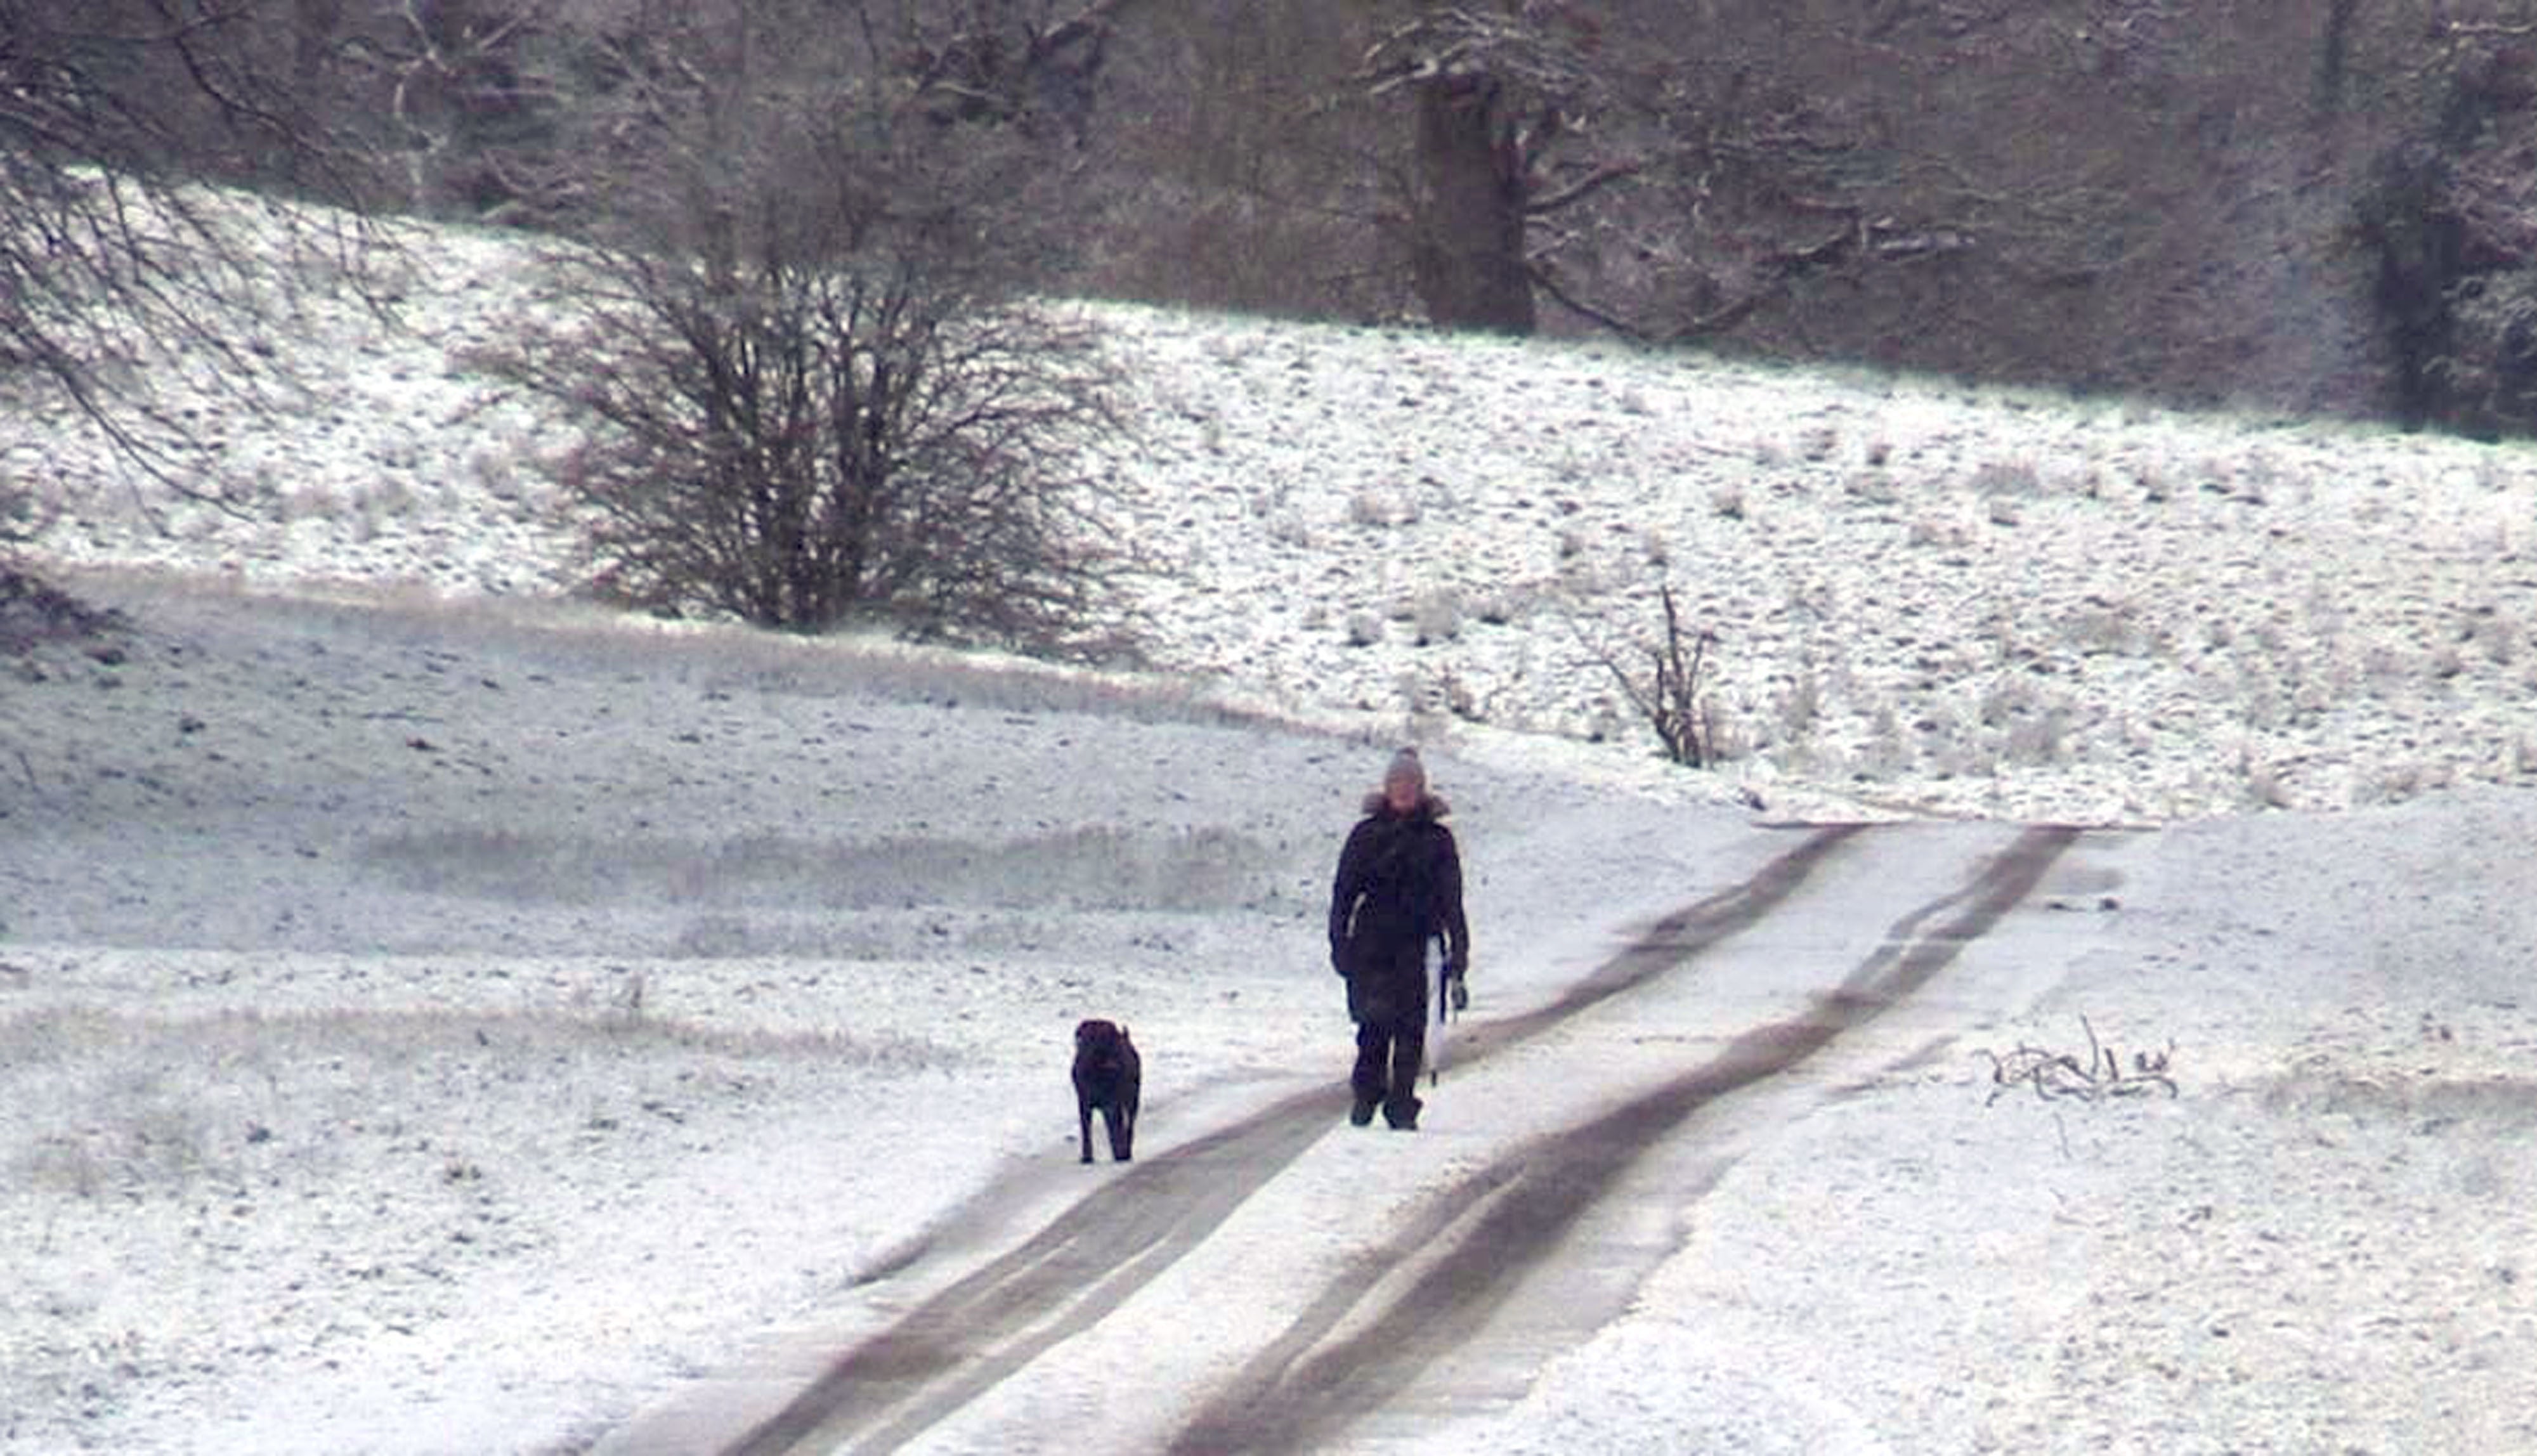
(1399, 883)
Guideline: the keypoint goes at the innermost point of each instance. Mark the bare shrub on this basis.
(1378, 511)
(1436, 616)
(34, 611)
(2009, 478)
(1800, 706)
(796, 337)
(2263, 781)
(1669, 693)
(2040, 739)
(816, 403)
(797, 443)
(1501, 605)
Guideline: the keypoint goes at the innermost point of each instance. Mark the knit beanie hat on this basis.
(1405, 765)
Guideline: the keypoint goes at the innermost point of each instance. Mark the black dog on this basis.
(1106, 1077)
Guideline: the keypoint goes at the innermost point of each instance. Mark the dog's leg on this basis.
(1084, 1128)
(1122, 1132)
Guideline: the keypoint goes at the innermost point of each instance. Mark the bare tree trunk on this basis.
(316, 26)
(1467, 213)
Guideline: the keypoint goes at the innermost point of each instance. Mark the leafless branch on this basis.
(1578, 191)
(2103, 1074)
(1669, 692)
(111, 258)
(2487, 27)
(1550, 284)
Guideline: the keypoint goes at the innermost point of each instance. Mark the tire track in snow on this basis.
(954, 1346)
(1475, 1244)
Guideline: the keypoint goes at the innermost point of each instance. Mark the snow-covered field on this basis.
(436, 1016)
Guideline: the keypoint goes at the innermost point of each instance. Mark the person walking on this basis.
(1399, 886)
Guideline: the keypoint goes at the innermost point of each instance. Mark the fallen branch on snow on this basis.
(2059, 1074)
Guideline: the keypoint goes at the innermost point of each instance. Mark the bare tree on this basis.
(1491, 89)
(812, 395)
(110, 113)
(2450, 222)
(803, 443)
(466, 99)
(1234, 161)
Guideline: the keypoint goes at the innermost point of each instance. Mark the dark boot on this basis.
(1403, 1113)
(1368, 1078)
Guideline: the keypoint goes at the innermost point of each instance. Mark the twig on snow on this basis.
(2103, 1074)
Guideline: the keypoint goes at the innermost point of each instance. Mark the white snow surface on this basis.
(440, 1016)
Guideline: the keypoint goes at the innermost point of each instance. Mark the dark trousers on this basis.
(1389, 1053)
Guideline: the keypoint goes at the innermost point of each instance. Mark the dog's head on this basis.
(1099, 1040)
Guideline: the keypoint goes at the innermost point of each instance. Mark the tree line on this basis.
(2317, 204)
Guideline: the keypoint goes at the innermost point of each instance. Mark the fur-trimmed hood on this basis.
(1430, 806)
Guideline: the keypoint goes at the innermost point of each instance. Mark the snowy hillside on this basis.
(1922, 598)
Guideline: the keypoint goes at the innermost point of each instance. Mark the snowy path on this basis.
(1518, 1257)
